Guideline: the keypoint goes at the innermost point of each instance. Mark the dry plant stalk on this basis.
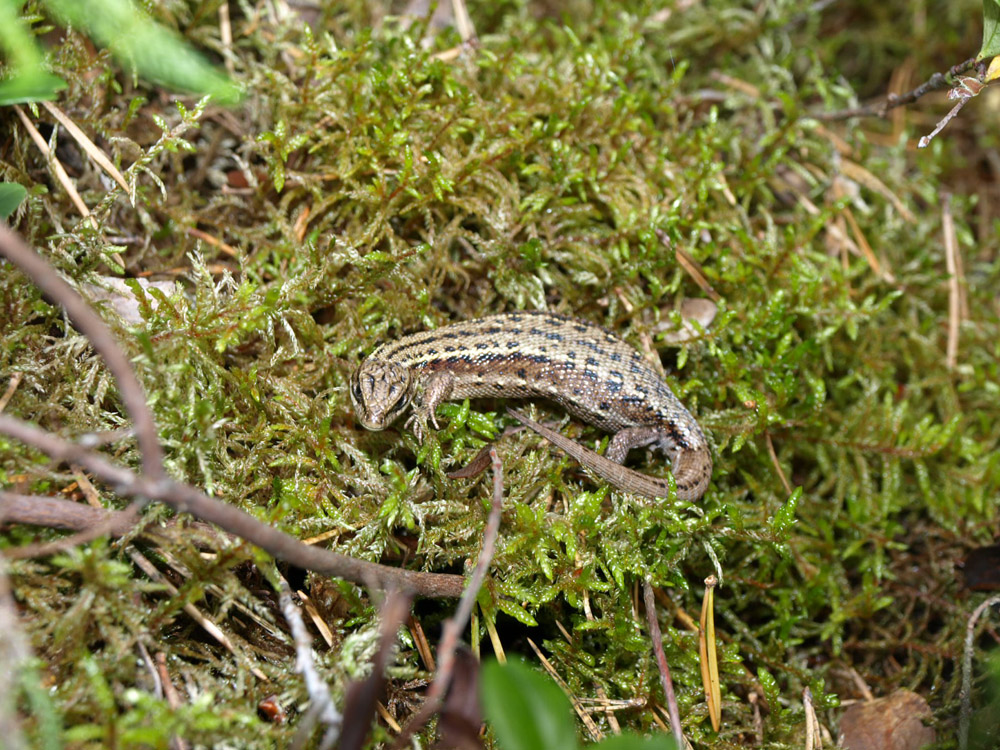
(708, 654)
(661, 662)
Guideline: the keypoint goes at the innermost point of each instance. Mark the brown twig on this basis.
(54, 513)
(213, 241)
(15, 381)
(186, 499)
(62, 514)
(661, 661)
(100, 337)
(173, 697)
(690, 265)
(454, 626)
(361, 700)
(154, 484)
(936, 82)
(226, 37)
(965, 694)
(320, 702)
(774, 460)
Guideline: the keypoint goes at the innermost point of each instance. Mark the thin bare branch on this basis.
(321, 703)
(186, 499)
(90, 325)
(965, 694)
(171, 694)
(454, 626)
(361, 701)
(777, 464)
(661, 661)
(936, 82)
(226, 37)
(53, 513)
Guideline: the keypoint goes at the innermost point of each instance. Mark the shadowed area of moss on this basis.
(366, 190)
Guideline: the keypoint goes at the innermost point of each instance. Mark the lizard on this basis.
(585, 368)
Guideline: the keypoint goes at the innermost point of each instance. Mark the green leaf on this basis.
(526, 710)
(28, 82)
(157, 53)
(42, 706)
(991, 30)
(30, 86)
(11, 195)
(784, 518)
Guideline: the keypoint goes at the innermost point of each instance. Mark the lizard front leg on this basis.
(437, 388)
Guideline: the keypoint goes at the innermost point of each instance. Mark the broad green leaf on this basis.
(157, 53)
(11, 195)
(526, 710)
(30, 86)
(991, 30)
(28, 81)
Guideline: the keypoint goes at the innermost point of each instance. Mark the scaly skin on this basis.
(588, 370)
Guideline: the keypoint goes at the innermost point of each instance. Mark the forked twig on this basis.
(97, 332)
(936, 82)
(184, 498)
(154, 484)
(454, 626)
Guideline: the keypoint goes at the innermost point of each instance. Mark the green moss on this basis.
(371, 190)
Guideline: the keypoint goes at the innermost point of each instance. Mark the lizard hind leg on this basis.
(691, 467)
(637, 437)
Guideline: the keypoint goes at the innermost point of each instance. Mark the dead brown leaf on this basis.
(890, 723)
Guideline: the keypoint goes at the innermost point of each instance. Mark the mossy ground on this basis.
(369, 190)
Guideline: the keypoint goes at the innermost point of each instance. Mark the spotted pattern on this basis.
(595, 375)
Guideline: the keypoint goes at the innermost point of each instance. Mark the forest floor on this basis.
(613, 161)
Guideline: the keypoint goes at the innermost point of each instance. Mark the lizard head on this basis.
(380, 391)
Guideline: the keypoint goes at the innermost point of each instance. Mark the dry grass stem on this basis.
(661, 662)
(708, 655)
(954, 281)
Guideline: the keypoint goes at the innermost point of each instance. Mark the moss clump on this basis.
(367, 189)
